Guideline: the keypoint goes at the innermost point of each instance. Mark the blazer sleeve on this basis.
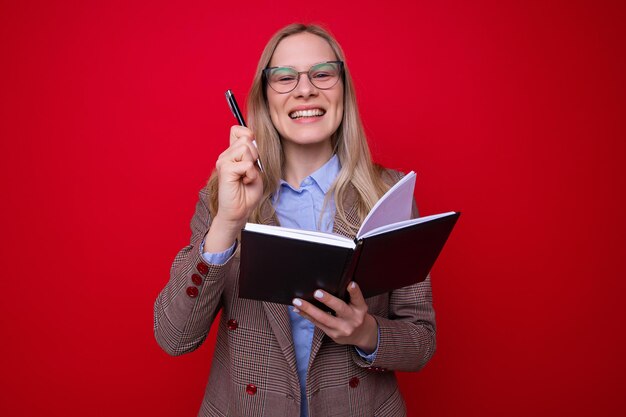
(186, 307)
(408, 333)
(407, 326)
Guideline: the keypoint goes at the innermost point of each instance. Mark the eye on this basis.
(323, 72)
(321, 75)
(283, 76)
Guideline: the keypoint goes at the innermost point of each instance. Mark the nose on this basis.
(305, 88)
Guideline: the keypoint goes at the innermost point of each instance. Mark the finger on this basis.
(315, 315)
(237, 132)
(237, 165)
(323, 327)
(247, 142)
(356, 296)
(244, 171)
(337, 305)
(238, 152)
(240, 134)
(251, 172)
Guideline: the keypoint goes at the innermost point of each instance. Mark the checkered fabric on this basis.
(253, 372)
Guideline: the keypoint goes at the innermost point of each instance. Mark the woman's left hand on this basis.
(351, 324)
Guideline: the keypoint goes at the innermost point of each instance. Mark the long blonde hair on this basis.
(349, 141)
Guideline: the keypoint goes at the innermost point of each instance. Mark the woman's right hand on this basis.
(240, 189)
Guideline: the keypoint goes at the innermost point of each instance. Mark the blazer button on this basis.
(202, 268)
(354, 382)
(192, 292)
(196, 279)
(251, 389)
(232, 324)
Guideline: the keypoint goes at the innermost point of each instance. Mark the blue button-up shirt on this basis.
(302, 208)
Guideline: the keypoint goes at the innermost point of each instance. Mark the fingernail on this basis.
(318, 294)
(295, 310)
(353, 285)
(297, 302)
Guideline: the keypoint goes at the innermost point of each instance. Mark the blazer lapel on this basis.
(278, 317)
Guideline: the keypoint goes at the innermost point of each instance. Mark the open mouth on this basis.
(298, 114)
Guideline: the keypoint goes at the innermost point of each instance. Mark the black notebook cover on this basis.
(401, 257)
(277, 268)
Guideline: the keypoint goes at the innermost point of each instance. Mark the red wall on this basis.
(112, 115)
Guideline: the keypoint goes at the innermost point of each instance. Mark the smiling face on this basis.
(306, 116)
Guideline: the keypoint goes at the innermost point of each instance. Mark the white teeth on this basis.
(306, 113)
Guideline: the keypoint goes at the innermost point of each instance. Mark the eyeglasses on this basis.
(285, 79)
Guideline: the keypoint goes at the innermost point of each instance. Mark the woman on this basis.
(270, 359)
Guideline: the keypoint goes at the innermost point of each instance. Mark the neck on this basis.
(302, 161)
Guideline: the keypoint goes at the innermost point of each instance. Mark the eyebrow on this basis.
(309, 67)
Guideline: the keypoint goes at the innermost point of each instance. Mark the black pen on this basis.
(232, 103)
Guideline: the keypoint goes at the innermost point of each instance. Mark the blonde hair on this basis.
(348, 141)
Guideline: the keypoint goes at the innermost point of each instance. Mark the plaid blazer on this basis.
(253, 372)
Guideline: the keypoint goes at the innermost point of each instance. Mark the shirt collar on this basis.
(326, 174)
(323, 177)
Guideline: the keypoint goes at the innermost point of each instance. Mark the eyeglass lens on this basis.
(323, 76)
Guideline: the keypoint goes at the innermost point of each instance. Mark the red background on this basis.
(113, 113)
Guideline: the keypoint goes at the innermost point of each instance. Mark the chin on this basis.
(308, 141)
(309, 138)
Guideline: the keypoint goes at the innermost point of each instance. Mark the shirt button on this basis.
(202, 268)
(251, 389)
(196, 279)
(232, 324)
(354, 382)
(192, 292)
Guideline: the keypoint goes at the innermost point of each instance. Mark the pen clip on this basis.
(229, 95)
(234, 108)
